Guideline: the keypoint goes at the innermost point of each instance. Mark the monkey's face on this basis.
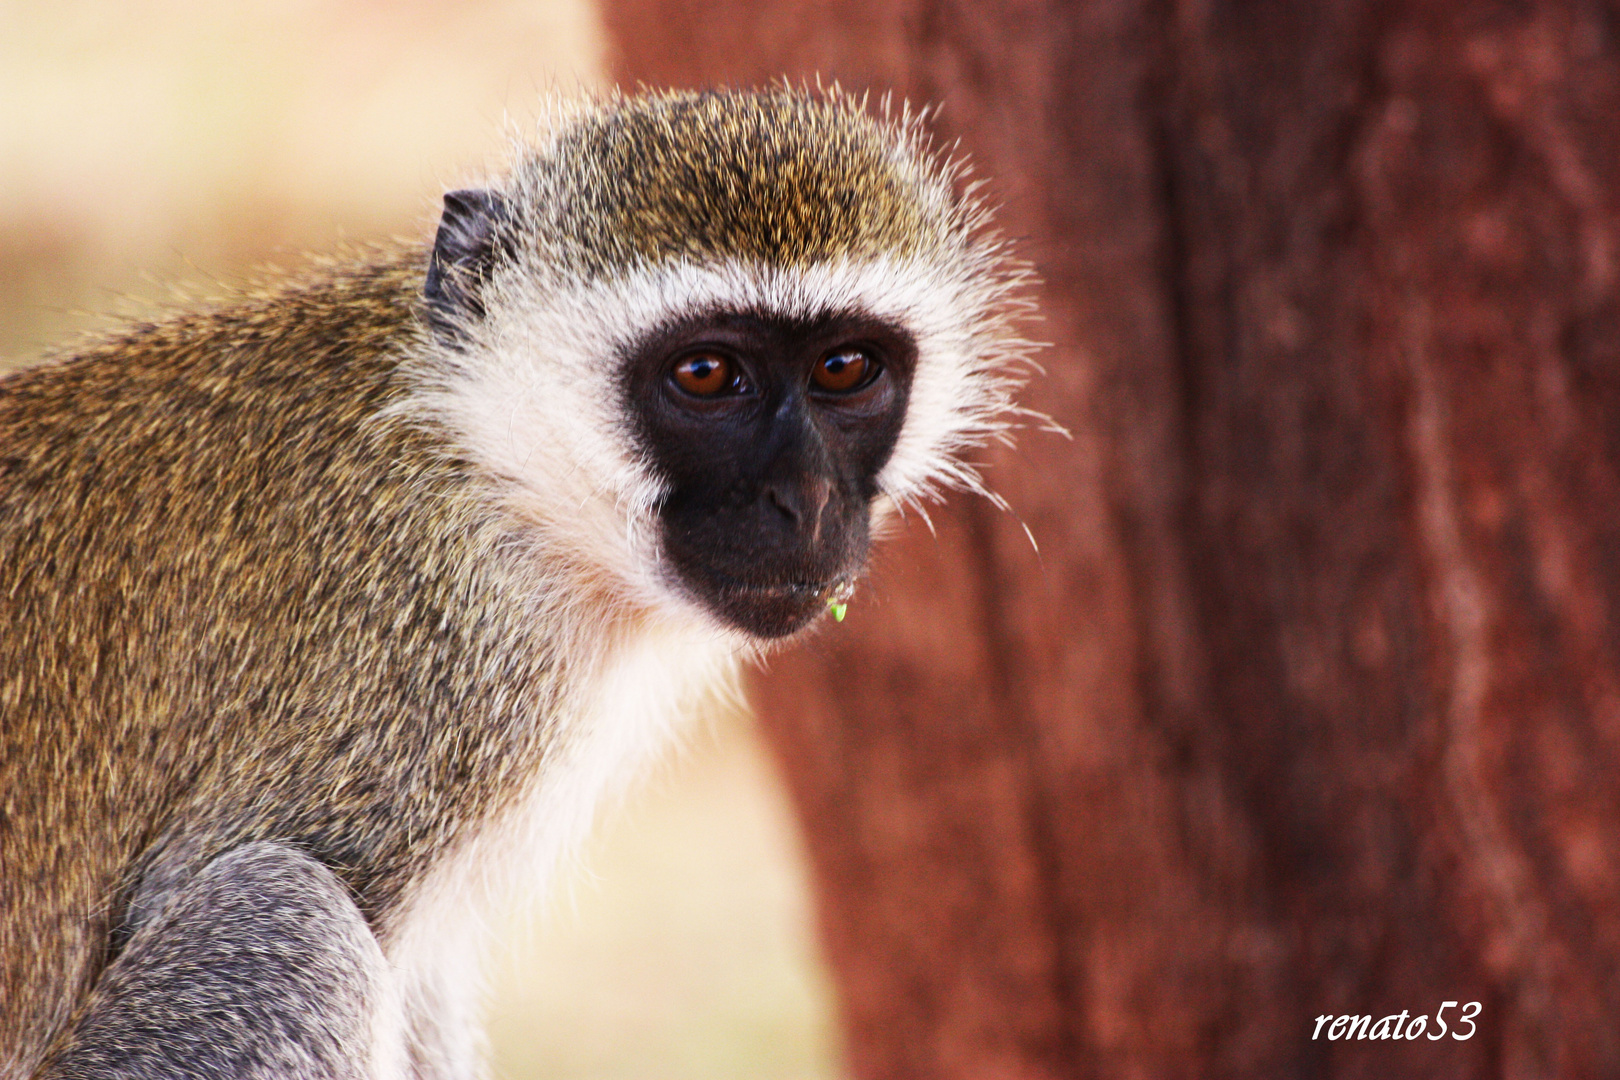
(695, 335)
(769, 434)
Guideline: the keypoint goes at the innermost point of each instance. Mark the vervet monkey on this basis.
(325, 608)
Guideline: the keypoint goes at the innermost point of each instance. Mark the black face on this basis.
(771, 433)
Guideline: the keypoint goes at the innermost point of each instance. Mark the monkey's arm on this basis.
(261, 966)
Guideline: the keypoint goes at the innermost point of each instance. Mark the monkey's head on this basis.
(699, 337)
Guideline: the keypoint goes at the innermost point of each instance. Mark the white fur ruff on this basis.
(537, 397)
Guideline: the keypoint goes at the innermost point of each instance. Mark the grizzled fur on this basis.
(790, 180)
(237, 607)
(324, 607)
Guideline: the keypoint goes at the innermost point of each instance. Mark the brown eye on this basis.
(703, 374)
(842, 369)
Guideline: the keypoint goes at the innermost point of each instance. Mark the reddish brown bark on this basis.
(1310, 702)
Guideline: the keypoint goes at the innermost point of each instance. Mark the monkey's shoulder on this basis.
(263, 376)
(330, 314)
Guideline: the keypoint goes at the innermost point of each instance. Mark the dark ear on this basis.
(463, 252)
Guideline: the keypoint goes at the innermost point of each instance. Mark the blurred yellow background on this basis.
(150, 144)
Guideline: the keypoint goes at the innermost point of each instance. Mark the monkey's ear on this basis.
(463, 252)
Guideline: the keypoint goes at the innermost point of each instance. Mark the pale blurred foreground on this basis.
(689, 955)
(150, 143)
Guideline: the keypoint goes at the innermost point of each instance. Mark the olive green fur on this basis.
(252, 607)
(779, 178)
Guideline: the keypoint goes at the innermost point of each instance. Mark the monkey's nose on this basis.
(801, 505)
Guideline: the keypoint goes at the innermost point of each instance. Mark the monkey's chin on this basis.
(768, 611)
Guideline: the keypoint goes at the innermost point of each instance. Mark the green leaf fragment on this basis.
(837, 609)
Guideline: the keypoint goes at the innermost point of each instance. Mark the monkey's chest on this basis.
(606, 729)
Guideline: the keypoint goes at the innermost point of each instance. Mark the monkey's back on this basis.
(226, 581)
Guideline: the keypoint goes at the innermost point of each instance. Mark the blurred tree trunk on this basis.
(1310, 702)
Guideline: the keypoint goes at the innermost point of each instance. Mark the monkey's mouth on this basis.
(767, 609)
(793, 590)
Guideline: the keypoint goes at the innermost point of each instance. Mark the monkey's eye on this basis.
(706, 374)
(844, 369)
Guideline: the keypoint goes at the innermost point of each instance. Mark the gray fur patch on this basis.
(260, 967)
